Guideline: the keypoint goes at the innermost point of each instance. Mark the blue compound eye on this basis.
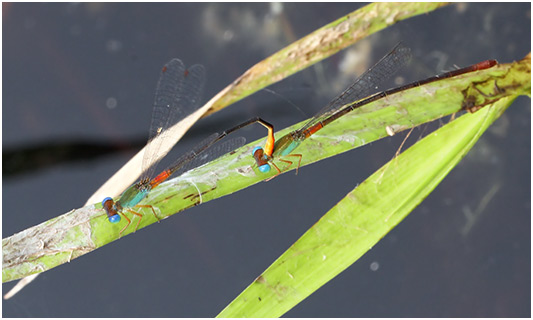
(114, 219)
(105, 200)
(261, 159)
(109, 207)
(255, 149)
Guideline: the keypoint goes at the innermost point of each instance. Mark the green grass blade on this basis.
(362, 218)
(411, 108)
(80, 231)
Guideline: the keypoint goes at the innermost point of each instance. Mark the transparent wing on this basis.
(177, 96)
(208, 150)
(366, 83)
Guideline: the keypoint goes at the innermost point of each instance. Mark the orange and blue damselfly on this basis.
(177, 96)
(352, 98)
